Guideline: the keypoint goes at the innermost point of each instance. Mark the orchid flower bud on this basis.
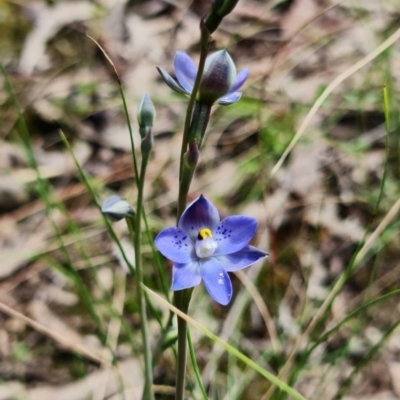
(219, 10)
(146, 115)
(117, 208)
(218, 77)
(223, 7)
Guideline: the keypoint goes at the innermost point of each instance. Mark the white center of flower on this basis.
(205, 244)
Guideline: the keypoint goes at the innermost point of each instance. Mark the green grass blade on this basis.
(230, 349)
(195, 366)
(353, 314)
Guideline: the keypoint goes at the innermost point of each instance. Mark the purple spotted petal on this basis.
(234, 233)
(216, 280)
(170, 81)
(185, 276)
(198, 215)
(241, 259)
(185, 70)
(239, 81)
(175, 244)
(230, 98)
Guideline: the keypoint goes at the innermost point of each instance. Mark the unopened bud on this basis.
(117, 208)
(146, 114)
(218, 77)
(219, 10)
(223, 7)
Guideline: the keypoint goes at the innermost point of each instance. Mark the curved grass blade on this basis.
(230, 349)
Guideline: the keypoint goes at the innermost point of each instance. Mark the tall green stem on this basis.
(204, 42)
(182, 300)
(135, 230)
(201, 116)
(182, 297)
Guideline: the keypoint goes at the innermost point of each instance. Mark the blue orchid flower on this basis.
(219, 82)
(203, 247)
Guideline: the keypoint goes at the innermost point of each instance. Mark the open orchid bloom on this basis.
(219, 82)
(203, 247)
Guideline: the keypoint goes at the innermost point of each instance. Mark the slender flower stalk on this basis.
(201, 116)
(182, 297)
(184, 187)
(146, 116)
(136, 231)
(117, 208)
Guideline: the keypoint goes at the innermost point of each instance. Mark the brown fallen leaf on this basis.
(126, 377)
(327, 215)
(48, 20)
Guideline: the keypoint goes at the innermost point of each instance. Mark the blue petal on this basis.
(216, 280)
(229, 99)
(185, 276)
(185, 70)
(169, 80)
(198, 215)
(241, 259)
(234, 233)
(175, 244)
(240, 80)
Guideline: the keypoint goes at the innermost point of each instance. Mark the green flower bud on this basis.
(219, 10)
(146, 114)
(223, 7)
